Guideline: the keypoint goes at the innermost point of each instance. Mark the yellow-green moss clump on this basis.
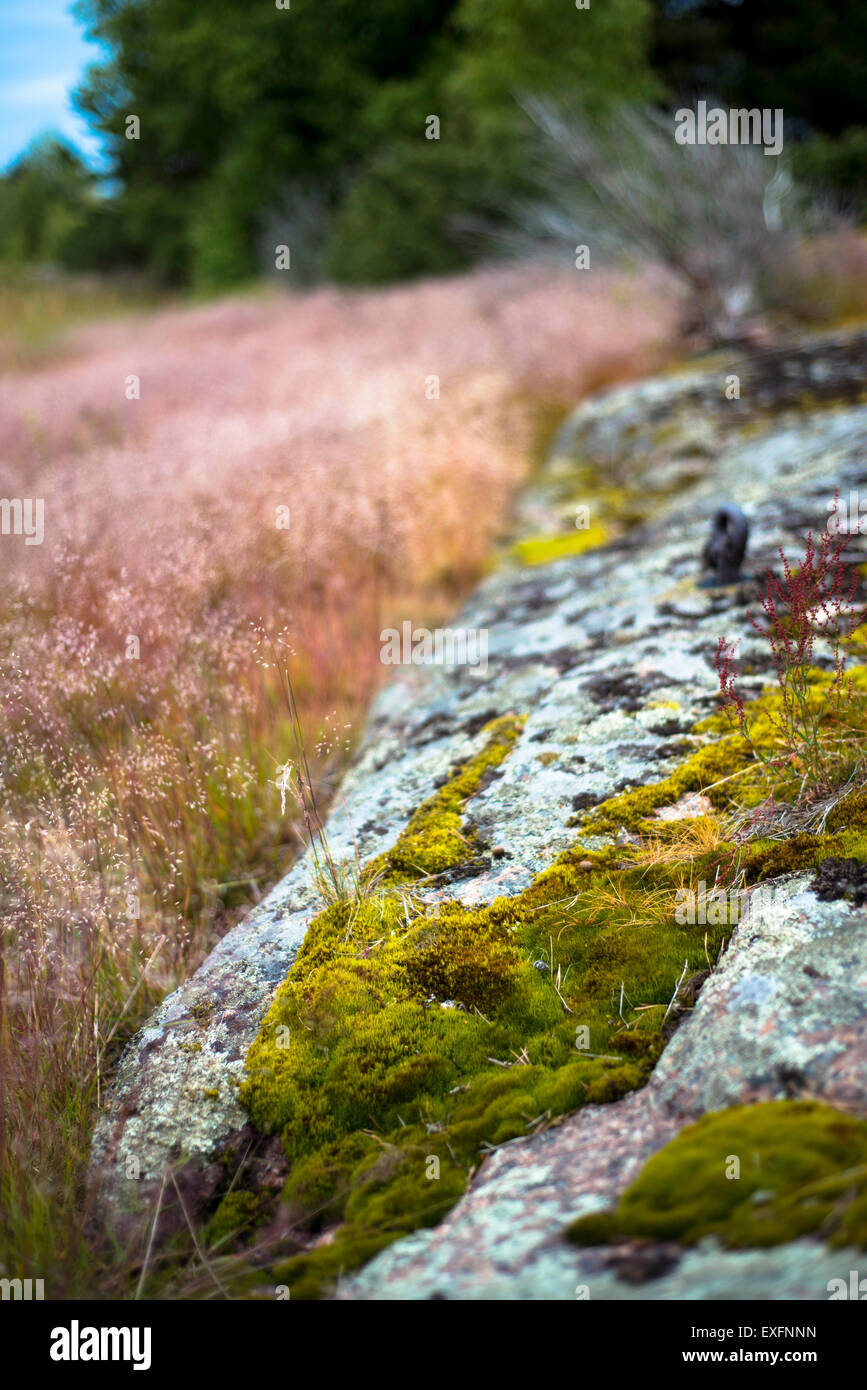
(542, 550)
(756, 1175)
(728, 773)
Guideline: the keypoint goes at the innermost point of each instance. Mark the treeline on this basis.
(384, 140)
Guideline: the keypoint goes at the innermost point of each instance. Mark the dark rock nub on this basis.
(726, 546)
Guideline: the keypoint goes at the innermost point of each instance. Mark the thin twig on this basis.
(676, 991)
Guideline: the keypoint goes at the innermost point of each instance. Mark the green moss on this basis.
(433, 841)
(395, 1048)
(701, 772)
(408, 1040)
(596, 1228)
(755, 1175)
(850, 813)
(236, 1215)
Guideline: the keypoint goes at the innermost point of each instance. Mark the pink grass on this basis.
(140, 812)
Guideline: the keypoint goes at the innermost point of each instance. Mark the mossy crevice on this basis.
(433, 841)
(725, 769)
(702, 771)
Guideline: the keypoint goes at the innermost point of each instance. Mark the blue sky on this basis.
(43, 52)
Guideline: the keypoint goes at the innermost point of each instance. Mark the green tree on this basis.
(235, 102)
(807, 56)
(43, 202)
(419, 204)
(240, 106)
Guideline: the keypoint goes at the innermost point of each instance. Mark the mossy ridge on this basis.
(380, 1084)
(802, 1170)
(727, 772)
(370, 1080)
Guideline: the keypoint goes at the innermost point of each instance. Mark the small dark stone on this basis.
(725, 548)
(679, 748)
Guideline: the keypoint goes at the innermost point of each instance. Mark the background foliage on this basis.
(306, 126)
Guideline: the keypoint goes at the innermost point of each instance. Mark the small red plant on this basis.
(814, 601)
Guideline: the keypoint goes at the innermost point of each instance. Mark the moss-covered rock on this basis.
(408, 1038)
(401, 1047)
(756, 1175)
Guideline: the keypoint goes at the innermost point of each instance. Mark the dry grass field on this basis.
(140, 725)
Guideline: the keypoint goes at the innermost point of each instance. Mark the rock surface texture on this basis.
(610, 654)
